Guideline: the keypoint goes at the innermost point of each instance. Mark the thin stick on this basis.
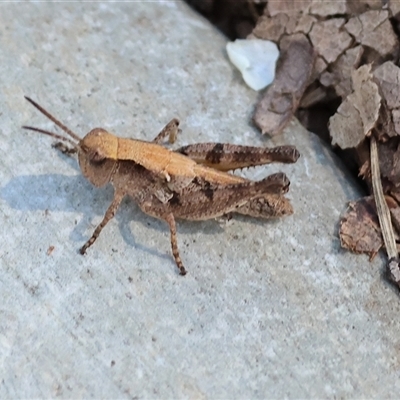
(53, 119)
(384, 215)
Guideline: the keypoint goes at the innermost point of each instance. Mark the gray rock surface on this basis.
(268, 309)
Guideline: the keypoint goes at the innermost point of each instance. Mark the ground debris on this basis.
(373, 29)
(279, 102)
(50, 250)
(329, 38)
(340, 58)
(387, 76)
(359, 228)
(339, 74)
(344, 35)
(359, 112)
(356, 50)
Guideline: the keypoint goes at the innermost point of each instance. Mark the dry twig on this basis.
(384, 216)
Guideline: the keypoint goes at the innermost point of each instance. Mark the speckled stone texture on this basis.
(268, 309)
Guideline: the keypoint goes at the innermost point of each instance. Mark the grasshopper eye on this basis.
(97, 158)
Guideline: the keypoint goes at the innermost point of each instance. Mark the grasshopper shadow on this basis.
(52, 193)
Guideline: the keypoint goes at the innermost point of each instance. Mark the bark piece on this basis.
(394, 7)
(273, 29)
(314, 95)
(339, 74)
(330, 39)
(373, 29)
(344, 35)
(305, 23)
(320, 66)
(356, 7)
(389, 161)
(359, 228)
(388, 77)
(327, 8)
(288, 6)
(281, 99)
(358, 113)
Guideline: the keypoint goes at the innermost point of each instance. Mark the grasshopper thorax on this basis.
(97, 155)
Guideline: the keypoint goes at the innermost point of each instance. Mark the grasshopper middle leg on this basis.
(171, 130)
(174, 243)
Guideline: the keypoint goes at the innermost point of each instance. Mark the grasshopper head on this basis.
(97, 155)
(97, 151)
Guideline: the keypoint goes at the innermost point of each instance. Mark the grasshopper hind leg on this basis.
(169, 218)
(267, 206)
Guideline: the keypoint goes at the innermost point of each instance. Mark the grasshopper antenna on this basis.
(64, 139)
(53, 119)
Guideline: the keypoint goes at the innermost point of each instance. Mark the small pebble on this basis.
(256, 60)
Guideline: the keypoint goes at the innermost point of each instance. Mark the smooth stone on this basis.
(255, 59)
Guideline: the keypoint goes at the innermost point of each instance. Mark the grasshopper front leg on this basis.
(67, 150)
(112, 209)
(110, 213)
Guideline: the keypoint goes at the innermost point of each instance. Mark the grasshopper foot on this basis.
(182, 270)
(64, 148)
(83, 249)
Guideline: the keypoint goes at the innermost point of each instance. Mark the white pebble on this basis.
(256, 60)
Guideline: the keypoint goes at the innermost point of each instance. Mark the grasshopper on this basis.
(189, 183)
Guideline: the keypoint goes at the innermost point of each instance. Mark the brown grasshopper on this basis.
(189, 183)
